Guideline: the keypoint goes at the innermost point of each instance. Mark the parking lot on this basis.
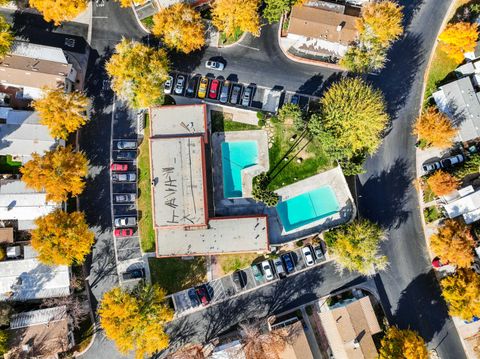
(221, 90)
(222, 288)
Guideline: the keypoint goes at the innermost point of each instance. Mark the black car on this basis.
(126, 155)
(192, 87)
(134, 274)
(288, 261)
(295, 100)
(239, 279)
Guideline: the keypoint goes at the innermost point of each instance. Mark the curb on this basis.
(301, 60)
(138, 20)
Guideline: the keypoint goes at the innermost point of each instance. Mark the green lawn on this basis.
(176, 274)
(148, 22)
(232, 262)
(145, 223)
(284, 172)
(441, 71)
(432, 214)
(428, 195)
(7, 166)
(222, 122)
(224, 40)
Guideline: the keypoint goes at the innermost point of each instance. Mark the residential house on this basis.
(460, 101)
(21, 134)
(324, 27)
(23, 205)
(24, 278)
(465, 203)
(181, 218)
(43, 333)
(30, 67)
(349, 326)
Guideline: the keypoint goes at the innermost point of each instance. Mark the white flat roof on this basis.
(463, 205)
(178, 187)
(28, 279)
(21, 203)
(40, 52)
(178, 120)
(223, 235)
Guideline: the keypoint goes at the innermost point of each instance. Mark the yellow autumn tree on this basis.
(63, 113)
(6, 37)
(462, 293)
(435, 128)
(457, 39)
(138, 73)
(59, 172)
(59, 10)
(442, 183)
(124, 3)
(402, 343)
(380, 22)
(181, 27)
(230, 16)
(62, 238)
(135, 319)
(453, 243)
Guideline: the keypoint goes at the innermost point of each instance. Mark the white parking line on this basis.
(248, 47)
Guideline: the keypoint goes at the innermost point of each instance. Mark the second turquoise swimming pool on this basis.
(235, 157)
(307, 207)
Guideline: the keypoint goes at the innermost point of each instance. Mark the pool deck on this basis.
(248, 173)
(333, 178)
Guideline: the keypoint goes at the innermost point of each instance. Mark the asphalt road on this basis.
(411, 295)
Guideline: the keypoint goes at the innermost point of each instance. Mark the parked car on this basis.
(239, 278)
(318, 252)
(126, 155)
(126, 145)
(295, 100)
(214, 86)
(214, 65)
(192, 86)
(247, 96)
(124, 232)
(224, 92)
(125, 221)
(288, 261)
(167, 87)
(180, 85)
(267, 269)
(202, 89)
(124, 177)
(119, 167)
(124, 198)
(193, 297)
(452, 160)
(134, 274)
(432, 166)
(235, 95)
(278, 264)
(307, 254)
(257, 272)
(437, 263)
(202, 294)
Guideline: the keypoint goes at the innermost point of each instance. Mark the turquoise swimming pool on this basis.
(307, 208)
(235, 157)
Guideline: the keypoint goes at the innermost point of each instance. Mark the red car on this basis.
(214, 86)
(202, 294)
(123, 232)
(120, 167)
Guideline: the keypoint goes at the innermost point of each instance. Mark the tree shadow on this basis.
(388, 209)
(410, 8)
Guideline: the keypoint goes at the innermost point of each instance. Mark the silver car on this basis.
(247, 97)
(224, 92)
(214, 65)
(125, 221)
(167, 87)
(267, 270)
(126, 145)
(307, 255)
(124, 198)
(180, 85)
(124, 177)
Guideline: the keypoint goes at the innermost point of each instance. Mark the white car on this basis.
(125, 221)
(214, 65)
(124, 177)
(167, 87)
(127, 145)
(307, 255)
(179, 85)
(267, 270)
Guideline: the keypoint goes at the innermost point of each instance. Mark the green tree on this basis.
(470, 167)
(362, 59)
(62, 238)
(3, 342)
(462, 293)
(402, 344)
(135, 319)
(6, 311)
(138, 73)
(274, 9)
(261, 193)
(353, 116)
(356, 246)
